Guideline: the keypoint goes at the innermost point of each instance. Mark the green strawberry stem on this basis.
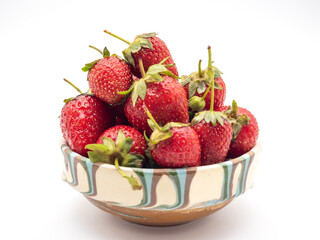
(197, 103)
(207, 91)
(133, 182)
(152, 119)
(97, 49)
(211, 75)
(199, 67)
(143, 73)
(234, 109)
(120, 38)
(76, 88)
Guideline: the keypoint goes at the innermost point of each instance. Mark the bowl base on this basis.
(158, 217)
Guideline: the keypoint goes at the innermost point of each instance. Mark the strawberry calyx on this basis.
(105, 53)
(199, 81)
(237, 121)
(116, 153)
(154, 74)
(196, 103)
(109, 151)
(160, 133)
(141, 41)
(209, 116)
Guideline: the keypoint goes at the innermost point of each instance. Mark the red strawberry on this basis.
(163, 95)
(245, 130)
(215, 140)
(197, 88)
(213, 129)
(139, 144)
(150, 49)
(82, 121)
(120, 116)
(108, 76)
(122, 146)
(175, 145)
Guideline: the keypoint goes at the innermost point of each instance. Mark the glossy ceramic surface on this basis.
(168, 196)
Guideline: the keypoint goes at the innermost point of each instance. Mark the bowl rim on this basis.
(232, 161)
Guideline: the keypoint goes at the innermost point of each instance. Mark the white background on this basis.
(269, 53)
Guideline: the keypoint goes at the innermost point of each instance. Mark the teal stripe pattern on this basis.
(87, 164)
(180, 179)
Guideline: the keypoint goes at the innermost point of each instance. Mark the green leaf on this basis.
(99, 148)
(134, 96)
(135, 47)
(157, 137)
(105, 53)
(142, 89)
(156, 68)
(88, 66)
(98, 157)
(217, 86)
(98, 153)
(121, 138)
(139, 90)
(201, 87)
(147, 35)
(127, 55)
(198, 118)
(109, 143)
(151, 124)
(177, 124)
(160, 69)
(143, 42)
(185, 80)
(169, 73)
(166, 127)
(236, 128)
(219, 118)
(133, 160)
(192, 88)
(127, 145)
(243, 120)
(154, 78)
(209, 117)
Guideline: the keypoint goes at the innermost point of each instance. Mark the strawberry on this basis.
(108, 76)
(213, 129)
(175, 145)
(122, 146)
(161, 93)
(245, 130)
(196, 85)
(150, 49)
(139, 144)
(83, 119)
(120, 116)
(215, 138)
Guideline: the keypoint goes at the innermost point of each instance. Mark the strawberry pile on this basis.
(138, 112)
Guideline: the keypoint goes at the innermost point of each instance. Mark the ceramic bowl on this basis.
(168, 196)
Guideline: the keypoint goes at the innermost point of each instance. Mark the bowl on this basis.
(168, 196)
